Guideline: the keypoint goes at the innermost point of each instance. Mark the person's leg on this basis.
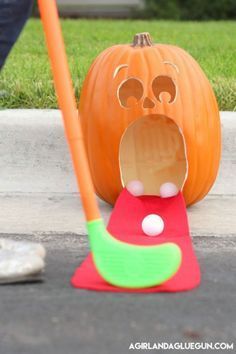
(13, 15)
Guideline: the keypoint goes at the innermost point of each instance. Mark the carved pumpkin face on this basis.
(127, 83)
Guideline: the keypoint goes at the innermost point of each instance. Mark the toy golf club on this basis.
(119, 263)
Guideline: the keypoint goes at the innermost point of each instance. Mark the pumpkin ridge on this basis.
(173, 58)
(126, 118)
(146, 73)
(212, 166)
(98, 62)
(150, 79)
(208, 166)
(192, 162)
(193, 87)
(187, 114)
(199, 74)
(162, 60)
(176, 58)
(128, 54)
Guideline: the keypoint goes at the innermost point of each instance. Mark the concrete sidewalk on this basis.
(39, 201)
(38, 193)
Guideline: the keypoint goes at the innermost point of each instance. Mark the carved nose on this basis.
(148, 103)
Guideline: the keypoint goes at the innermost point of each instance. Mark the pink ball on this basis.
(168, 190)
(135, 188)
(153, 225)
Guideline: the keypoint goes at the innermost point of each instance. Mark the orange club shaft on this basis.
(67, 104)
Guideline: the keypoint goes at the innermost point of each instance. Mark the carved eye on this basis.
(164, 84)
(130, 92)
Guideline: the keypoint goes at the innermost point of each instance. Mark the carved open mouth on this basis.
(153, 150)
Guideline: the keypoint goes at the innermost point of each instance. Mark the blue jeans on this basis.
(13, 15)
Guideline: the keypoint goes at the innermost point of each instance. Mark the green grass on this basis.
(26, 76)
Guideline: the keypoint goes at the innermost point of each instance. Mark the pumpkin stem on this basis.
(142, 40)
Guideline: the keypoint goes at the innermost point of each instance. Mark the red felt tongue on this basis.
(125, 225)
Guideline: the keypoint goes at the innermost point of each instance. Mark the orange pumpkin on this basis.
(127, 82)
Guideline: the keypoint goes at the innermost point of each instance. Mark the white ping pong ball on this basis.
(168, 190)
(153, 225)
(135, 188)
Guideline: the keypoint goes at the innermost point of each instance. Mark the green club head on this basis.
(131, 266)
